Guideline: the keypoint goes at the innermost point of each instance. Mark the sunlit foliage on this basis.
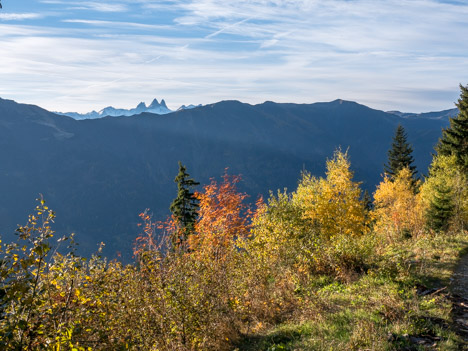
(333, 204)
(398, 210)
(223, 216)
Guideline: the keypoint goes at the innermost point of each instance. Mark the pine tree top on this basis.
(185, 205)
(454, 139)
(400, 155)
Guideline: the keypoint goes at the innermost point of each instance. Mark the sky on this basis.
(67, 55)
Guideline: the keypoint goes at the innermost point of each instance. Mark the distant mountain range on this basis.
(159, 108)
(98, 174)
(445, 114)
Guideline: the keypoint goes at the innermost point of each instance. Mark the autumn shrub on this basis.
(53, 300)
(190, 302)
(238, 271)
(32, 317)
(223, 216)
(203, 284)
(399, 211)
(333, 208)
(319, 229)
(56, 301)
(333, 203)
(277, 258)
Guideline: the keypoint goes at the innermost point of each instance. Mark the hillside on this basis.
(99, 174)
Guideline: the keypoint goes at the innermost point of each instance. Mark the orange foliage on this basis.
(223, 216)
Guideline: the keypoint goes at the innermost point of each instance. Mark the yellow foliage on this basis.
(333, 204)
(277, 226)
(317, 229)
(398, 210)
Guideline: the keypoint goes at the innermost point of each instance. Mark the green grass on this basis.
(380, 310)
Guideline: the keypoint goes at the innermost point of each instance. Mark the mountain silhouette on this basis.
(98, 174)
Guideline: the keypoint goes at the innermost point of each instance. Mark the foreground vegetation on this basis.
(400, 304)
(319, 268)
(272, 279)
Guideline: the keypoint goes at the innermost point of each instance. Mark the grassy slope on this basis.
(402, 303)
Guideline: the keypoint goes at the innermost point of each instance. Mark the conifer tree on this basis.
(185, 206)
(440, 209)
(399, 156)
(454, 139)
(443, 205)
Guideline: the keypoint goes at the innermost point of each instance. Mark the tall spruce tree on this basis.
(440, 209)
(454, 139)
(399, 155)
(185, 205)
(454, 142)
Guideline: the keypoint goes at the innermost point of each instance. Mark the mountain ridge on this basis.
(435, 114)
(161, 108)
(156, 107)
(98, 174)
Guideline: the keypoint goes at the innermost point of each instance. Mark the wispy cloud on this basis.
(118, 24)
(18, 16)
(101, 6)
(200, 51)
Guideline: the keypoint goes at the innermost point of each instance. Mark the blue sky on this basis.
(68, 55)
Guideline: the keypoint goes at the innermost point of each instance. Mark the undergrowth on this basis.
(388, 308)
(315, 269)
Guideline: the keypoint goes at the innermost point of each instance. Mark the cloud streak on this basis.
(101, 6)
(201, 51)
(18, 16)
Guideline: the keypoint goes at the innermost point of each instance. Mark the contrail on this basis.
(227, 27)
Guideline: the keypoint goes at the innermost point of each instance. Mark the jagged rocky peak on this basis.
(154, 104)
(155, 107)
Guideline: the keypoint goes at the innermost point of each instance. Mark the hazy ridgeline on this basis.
(98, 175)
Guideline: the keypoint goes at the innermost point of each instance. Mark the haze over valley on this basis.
(99, 174)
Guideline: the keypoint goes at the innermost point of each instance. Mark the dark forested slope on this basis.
(99, 174)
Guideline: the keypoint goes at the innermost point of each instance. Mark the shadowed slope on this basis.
(99, 174)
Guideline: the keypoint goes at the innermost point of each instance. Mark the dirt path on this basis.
(459, 284)
(459, 288)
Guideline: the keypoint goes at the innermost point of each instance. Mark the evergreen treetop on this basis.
(399, 155)
(185, 205)
(454, 139)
